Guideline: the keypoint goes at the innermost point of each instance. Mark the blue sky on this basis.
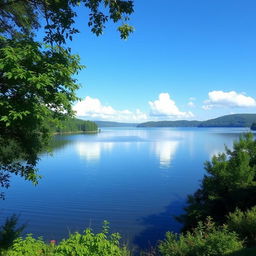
(185, 60)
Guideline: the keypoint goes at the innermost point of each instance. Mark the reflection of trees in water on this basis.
(58, 142)
(156, 225)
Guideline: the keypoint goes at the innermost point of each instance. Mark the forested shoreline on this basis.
(73, 125)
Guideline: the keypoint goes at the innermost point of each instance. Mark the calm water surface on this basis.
(135, 178)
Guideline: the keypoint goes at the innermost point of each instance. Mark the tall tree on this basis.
(36, 78)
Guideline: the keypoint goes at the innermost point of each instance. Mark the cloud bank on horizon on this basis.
(163, 108)
(93, 109)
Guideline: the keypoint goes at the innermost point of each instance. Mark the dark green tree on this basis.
(9, 231)
(253, 126)
(36, 78)
(230, 183)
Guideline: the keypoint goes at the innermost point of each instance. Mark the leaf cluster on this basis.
(25, 17)
(244, 224)
(36, 86)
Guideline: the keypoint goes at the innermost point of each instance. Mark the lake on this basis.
(135, 178)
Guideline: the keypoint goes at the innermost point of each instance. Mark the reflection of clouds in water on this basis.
(168, 135)
(165, 150)
(91, 150)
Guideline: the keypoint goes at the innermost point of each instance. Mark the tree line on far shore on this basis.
(70, 125)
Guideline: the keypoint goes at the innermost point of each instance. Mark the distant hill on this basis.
(235, 120)
(114, 124)
(179, 123)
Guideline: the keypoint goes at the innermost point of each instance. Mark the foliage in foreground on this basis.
(87, 243)
(205, 240)
(244, 224)
(230, 183)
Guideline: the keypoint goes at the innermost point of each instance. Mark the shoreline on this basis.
(76, 132)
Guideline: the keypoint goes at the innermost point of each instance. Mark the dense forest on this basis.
(70, 125)
(235, 120)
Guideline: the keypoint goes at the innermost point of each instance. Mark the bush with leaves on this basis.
(85, 244)
(230, 183)
(29, 246)
(205, 240)
(244, 224)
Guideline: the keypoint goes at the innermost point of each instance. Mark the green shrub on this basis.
(91, 244)
(244, 224)
(9, 231)
(28, 246)
(85, 244)
(205, 240)
(228, 184)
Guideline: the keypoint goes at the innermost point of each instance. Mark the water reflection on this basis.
(91, 151)
(139, 179)
(165, 150)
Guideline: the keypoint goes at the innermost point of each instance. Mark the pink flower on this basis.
(53, 242)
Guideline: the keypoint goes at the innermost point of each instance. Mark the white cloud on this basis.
(164, 106)
(191, 104)
(93, 109)
(192, 99)
(207, 107)
(228, 99)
